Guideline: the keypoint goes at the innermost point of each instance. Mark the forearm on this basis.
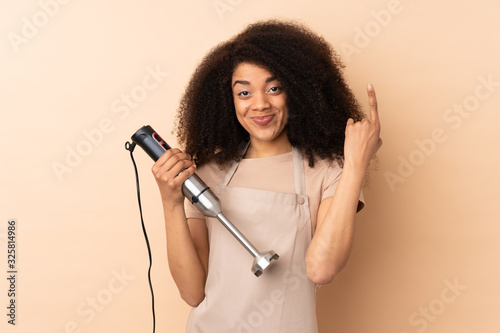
(185, 265)
(331, 245)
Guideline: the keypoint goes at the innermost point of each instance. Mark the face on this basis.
(260, 103)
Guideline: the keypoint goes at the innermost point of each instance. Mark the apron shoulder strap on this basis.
(232, 169)
(298, 170)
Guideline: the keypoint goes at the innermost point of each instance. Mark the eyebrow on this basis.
(269, 79)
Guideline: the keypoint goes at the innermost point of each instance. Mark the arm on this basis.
(332, 242)
(187, 241)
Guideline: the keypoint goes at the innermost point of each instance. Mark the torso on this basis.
(283, 298)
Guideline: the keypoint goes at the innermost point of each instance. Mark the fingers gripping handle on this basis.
(200, 195)
(193, 188)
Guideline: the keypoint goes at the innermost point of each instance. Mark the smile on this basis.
(262, 121)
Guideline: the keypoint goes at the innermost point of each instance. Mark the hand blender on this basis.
(202, 197)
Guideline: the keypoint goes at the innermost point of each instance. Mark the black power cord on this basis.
(130, 147)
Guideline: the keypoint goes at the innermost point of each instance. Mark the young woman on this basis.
(268, 122)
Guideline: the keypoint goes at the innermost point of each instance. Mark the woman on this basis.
(270, 125)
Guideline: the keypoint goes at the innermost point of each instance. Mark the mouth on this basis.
(263, 121)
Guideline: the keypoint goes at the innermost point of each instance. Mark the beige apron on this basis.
(282, 299)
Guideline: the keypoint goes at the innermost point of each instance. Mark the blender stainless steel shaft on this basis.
(202, 197)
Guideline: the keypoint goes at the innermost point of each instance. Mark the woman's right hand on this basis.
(166, 172)
(187, 242)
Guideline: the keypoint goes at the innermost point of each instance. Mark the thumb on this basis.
(350, 121)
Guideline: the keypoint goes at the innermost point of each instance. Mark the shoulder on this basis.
(324, 170)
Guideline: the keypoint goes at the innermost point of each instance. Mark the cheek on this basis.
(284, 109)
(240, 108)
(281, 103)
(285, 116)
(285, 120)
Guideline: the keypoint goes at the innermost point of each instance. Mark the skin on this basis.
(332, 242)
(258, 94)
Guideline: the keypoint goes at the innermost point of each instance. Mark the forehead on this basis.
(249, 71)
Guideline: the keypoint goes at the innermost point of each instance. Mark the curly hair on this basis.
(309, 70)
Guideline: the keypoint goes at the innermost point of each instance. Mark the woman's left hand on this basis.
(362, 139)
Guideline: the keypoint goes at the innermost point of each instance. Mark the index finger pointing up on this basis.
(372, 101)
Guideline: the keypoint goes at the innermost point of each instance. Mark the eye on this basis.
(243, 93)
(275, 89)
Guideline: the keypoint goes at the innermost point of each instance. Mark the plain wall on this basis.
(426, 256)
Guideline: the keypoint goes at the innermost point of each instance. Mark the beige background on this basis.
(426, 255)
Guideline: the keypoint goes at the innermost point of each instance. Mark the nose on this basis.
(260, 102)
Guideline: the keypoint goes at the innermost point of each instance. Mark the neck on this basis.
(278, 146)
